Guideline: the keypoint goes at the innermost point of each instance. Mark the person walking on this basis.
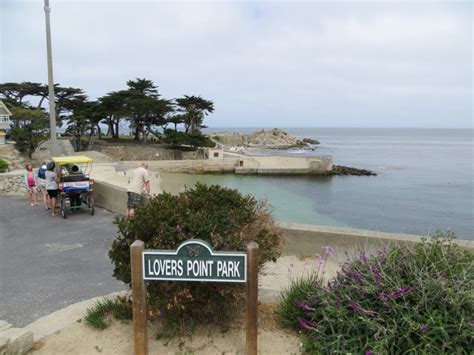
(52, 186)
(42, 184)
(139, 182)
(30, 183)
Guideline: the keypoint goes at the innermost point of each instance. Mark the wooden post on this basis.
(252, 298)
(139, 299)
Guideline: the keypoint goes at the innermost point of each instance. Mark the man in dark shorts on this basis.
(139, 181)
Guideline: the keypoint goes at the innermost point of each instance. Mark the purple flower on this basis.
(399, 293)
(423, 328)
(179, 229)
(310, 325)
(471, 323)
(328, 250)
(357, 308)
(442, 301)
(443, 346)
(363, 258)
(368, 353)
(305, 307)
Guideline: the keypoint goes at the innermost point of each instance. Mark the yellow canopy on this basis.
(78, 159)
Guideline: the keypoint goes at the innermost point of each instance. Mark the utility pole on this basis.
(54, 149)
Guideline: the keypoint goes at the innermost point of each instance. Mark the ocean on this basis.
(424, 182)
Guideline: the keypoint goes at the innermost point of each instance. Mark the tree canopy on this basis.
(139, 103)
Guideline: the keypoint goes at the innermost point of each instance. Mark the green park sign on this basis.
(194, 260)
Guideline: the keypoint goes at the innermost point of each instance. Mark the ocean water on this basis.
(424, 182)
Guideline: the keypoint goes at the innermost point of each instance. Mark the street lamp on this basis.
(54, 149)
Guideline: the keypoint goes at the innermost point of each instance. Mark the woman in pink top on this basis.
(30, 182)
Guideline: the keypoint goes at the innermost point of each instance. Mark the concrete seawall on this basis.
(299, 239)
(244, 165)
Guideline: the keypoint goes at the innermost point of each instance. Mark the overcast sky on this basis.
(266, 63)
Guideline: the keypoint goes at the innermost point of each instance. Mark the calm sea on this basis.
(424, 181)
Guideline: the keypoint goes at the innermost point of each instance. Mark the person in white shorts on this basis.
(41, 178)
(138, 182)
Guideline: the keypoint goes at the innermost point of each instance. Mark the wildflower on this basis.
(179, 229)
(328, 250)
(305, 307)
(471, 322)
(423, 328)
(443, 346)
(368, 353)
(399, 293)
(309, 325)
(357, 308)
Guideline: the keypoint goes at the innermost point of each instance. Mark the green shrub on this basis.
(401, 300)
(99, 316)
(192, 139)
(3, 166)
(224, 218)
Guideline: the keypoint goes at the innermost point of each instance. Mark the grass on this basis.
(100, 315)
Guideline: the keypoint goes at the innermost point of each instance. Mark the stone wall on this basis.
(12, 182)
(129, 151)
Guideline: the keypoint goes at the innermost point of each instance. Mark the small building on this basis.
(5, 122)
(216, 153)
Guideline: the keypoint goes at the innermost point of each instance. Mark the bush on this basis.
(401, 300)
(192, 139)
(99, 316)
(224, 218)
(3, 166)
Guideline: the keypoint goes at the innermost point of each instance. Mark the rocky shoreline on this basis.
(347, 170)
(272, 139)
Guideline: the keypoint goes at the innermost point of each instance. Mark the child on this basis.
(30, 182)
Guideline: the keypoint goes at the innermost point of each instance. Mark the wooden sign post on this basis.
(194, 260)
(139, 299)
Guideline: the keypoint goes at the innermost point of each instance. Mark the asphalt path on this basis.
(47, 263)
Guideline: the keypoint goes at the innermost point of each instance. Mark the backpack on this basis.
(42, 172)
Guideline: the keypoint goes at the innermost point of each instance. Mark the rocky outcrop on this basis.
(12, 182)
(272, 139)
(12, 156)
(346, 170)
(310, 141)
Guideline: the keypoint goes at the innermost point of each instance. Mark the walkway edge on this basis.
(60, 319)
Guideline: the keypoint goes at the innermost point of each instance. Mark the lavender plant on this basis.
(398, 300)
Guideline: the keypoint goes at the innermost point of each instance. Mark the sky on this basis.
(263, 64)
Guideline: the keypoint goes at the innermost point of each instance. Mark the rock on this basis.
(346, 170)
(272, 139)
(15, 341)
(310, 141)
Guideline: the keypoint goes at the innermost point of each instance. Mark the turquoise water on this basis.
(424, 182)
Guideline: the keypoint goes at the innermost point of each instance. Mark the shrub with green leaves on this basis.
(401, 300)
(224, 218)
(3, 166)
(191, 139)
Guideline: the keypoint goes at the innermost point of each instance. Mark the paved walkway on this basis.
(47, 263)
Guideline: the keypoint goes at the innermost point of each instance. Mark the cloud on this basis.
(262, 63)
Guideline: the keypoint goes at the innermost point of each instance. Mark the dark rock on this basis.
(310, 141)
(347, 170)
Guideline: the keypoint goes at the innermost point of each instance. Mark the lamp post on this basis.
(54, 149)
